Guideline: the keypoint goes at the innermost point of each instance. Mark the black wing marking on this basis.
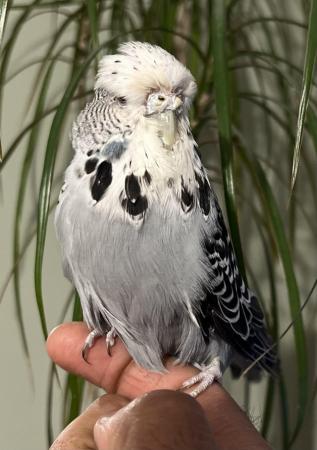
(228, 308)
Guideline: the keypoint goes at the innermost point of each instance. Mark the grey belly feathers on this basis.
(145, 245)
(141, 280)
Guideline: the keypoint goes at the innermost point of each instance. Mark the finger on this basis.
(161, 419)
(64, 346)
(136, 381)
(231, 427)
(78, 435)
(116, 373)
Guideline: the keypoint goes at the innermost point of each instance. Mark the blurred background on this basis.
(254, 118)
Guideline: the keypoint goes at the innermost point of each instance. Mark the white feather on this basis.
(140, 68)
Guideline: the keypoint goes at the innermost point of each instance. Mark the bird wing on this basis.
(228, 307)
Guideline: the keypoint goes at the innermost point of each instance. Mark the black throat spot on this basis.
(102, 180)
(132, 187)
(90, 165)
(136, 208)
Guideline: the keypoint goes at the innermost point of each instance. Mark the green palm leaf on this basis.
(224, 121)
(309, 68)
(3, 13)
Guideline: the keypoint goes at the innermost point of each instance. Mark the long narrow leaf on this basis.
(59, 34)
(52, 372)
(269, 399)
(312, 126)
(46, 184)
(9, 46)
(12, 148)
(37, 61)
(282, 20)
(224, 121)
(50, 392)
(73, 397)
(273, 59)
(3, 13)
(20, 203)
(93, 21)
(24, 248)
(309, 67)
(74, 385)
(293, 293)
(284, 405)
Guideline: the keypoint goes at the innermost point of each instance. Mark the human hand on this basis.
(160, 419)
(229, 427)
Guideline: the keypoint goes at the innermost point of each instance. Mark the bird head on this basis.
(160, 102)
(147, 78)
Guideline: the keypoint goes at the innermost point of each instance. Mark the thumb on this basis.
(111, 429)
(78, 435)
(160, 419)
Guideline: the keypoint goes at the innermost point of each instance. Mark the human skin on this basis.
(213, 419)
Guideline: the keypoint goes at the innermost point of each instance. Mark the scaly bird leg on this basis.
(89, 342)
(204, 379)
(110, 340)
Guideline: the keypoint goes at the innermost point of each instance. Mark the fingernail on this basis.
(52, 331)
(103, 422)
(102, 432)
(106, 421)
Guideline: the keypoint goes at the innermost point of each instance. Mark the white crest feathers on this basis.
(140, 68)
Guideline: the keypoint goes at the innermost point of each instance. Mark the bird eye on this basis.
(161, 98)
(122, 100)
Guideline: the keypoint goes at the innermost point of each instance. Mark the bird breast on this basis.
(164, 125)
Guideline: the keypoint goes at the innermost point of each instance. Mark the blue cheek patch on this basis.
(114, 149)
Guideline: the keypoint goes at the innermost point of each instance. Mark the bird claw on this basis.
(88, 344)
(204, 379)
(84, 353)
(110, 340)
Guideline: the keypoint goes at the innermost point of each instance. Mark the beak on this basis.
(175, 103)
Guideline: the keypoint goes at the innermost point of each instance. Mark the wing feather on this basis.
(229, 308)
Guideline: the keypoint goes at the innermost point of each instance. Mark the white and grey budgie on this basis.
(142, 235)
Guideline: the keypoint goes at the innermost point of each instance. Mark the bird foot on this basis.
(110, 340)
(204, 379)
(89, 343)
